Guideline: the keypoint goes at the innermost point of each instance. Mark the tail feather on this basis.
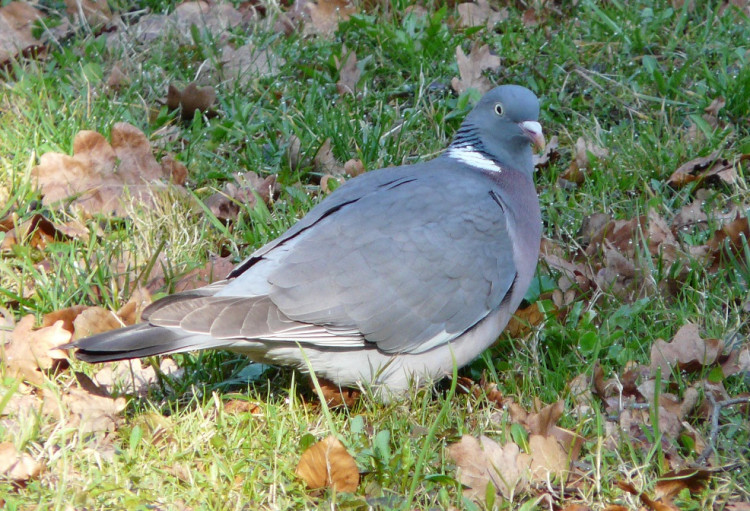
(137, 341)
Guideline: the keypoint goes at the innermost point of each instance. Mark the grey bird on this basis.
(391, 280)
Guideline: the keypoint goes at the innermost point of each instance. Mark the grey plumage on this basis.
(390, 279)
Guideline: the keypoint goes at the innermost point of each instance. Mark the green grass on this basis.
(630, 76)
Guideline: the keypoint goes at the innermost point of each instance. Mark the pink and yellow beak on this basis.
(533, 130)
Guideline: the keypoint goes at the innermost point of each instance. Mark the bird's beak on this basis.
(533, 130)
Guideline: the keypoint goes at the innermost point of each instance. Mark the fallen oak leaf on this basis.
(687, 350)
(29, 351)
(191, 99)
(471, 69)
(98, 174)
(481, 461)
(17, 467)
(328, 464)
(471, 14)
(17, 20)
(326, 14)
(349, 72)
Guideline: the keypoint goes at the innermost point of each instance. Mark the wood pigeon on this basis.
(391, 280)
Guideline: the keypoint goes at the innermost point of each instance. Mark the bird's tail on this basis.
(141, 340)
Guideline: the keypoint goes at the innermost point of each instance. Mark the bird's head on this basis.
(503, 126)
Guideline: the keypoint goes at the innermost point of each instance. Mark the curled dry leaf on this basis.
(524, 321)
(16, 22)
(349, 72)
(711, 169)
(99, 176)
(687, 350)
(191, 99)
(17, 467)
(471, 69)
(335, 395)
(328, 464)
(326, 163)
(238, 406)
(36, 232)
(472, 14)
(28, 352)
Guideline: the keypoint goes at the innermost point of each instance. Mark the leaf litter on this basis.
(609, 260)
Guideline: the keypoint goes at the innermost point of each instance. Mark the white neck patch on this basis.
(473, 158)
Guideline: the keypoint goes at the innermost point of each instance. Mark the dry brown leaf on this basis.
(191, 99)
(17, 467)
(28, 352)
(550, 155)
(737, 362)
(349, 72)
(471, 69)
(238, 406)
(728, 241)
(130, 313)
(737, 506)
(36, 232)
(16, 21)
(584, 151)
(326, 14)
(98, 174)
(132, 377)
(89, 409)
(524, 321)
(176, 170)
(94, 12)
(710, 116)
(354, 167)
(66, 315)
(328, 464)
(711, 169)
(546, 458)
(248, 62)
(244, 190)
(117, 78)
(472, 14)
(335, 395)
(687, 350)
(691, 214)
(481, 461)
(326, 163)
(95, 320)
(672, 483)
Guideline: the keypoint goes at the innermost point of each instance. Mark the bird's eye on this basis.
(499, 109)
